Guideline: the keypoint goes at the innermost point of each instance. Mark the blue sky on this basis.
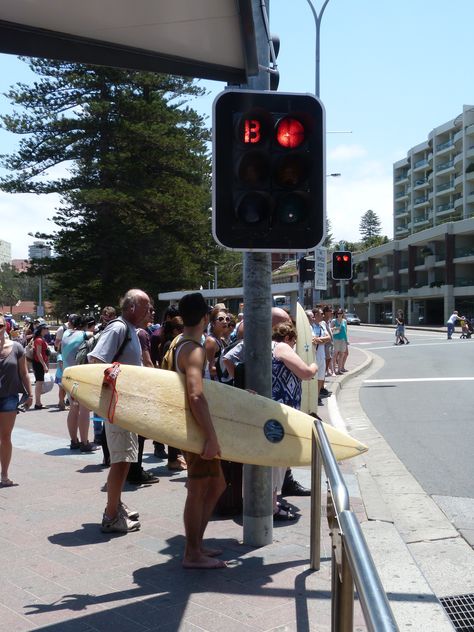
(390, 72)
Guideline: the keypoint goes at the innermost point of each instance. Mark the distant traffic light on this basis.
(341, 265)
(305, 269)
(268, 171)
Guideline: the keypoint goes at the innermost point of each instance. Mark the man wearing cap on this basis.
(205, 479)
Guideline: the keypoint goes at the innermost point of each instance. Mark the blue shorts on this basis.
(9, 404)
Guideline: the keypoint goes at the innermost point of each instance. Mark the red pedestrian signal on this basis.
(268, 171)
(342, 265)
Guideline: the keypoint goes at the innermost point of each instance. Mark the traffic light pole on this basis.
(258, 489)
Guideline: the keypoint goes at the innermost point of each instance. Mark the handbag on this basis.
(30, 349)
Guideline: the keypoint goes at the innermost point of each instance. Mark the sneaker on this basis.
(129, 513)
(87, 447)
(293, 488)
(75, 445)
(120, 524)
(325, 393)
(144, 478)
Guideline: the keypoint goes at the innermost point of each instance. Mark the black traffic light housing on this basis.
(342, 265)
(268, 171)
(306, 269)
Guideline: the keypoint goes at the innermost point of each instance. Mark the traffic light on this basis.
(268, 171)
(341, 265)
(306, 269)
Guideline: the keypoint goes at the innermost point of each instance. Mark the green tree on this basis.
(370, 226)
(10, 290)
(134, 207)
(329, 241)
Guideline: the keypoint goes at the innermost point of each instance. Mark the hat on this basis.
(192, 307)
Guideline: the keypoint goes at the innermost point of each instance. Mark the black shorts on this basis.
(38, 370)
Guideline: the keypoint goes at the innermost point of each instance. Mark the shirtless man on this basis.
(206, 481)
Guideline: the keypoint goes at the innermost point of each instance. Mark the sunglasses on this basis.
(223, 318)
(340, 313)
(2, 326)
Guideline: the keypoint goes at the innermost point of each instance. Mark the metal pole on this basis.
(342, 285)
(317, 22)
(258, 502)
(315, 535)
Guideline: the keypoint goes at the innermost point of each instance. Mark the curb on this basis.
(402, 572)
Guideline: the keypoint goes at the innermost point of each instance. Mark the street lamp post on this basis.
(317, 21)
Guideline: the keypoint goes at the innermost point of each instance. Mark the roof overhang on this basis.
(211, 39)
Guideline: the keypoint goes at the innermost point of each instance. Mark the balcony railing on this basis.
(420, 200)
(464, 251)
(422, 219)
(446, 165)
(421, 163)
(441, 146)
(445, 186)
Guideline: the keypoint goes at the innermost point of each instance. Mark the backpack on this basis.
(168, 359)
(86, 347)
(88, 344)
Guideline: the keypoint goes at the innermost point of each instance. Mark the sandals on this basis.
(177, 466)
(6, 482)
(283, 513)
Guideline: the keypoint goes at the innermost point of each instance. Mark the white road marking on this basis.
(421, 379)
(417, 344)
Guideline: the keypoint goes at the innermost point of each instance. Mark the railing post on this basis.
(315, 536)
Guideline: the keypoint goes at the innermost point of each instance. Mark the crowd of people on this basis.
(196, 340)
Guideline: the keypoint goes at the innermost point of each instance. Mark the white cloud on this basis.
(347, 152)
(367, 186)
(25, 213)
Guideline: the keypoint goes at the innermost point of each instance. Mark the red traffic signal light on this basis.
(268, 171)
(341, 265)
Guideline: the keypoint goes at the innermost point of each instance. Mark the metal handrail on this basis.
(351, 559)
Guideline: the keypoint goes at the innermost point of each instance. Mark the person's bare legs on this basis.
(38, 392)
(83, 422)
(115, 482)
(73, 421)
(7, 421)
(201, 499)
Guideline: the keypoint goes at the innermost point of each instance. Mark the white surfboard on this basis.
(250, 428)
(305, 350)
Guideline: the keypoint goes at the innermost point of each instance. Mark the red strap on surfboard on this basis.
(110, 380)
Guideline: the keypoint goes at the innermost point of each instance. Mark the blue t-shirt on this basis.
(70, 343)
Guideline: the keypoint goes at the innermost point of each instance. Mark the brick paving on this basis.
(59, 572)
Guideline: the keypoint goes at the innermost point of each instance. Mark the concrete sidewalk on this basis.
(59, 572)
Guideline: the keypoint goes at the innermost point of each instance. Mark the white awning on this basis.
(211, 39)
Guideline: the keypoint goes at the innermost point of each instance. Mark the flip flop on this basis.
(209, 564)
(283, 515)
(6, 482)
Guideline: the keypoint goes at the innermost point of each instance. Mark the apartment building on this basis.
(428, 270)
(5, 252)
(434, 184)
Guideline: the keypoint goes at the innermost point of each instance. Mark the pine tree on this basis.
(370, 226)
(134, 207)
